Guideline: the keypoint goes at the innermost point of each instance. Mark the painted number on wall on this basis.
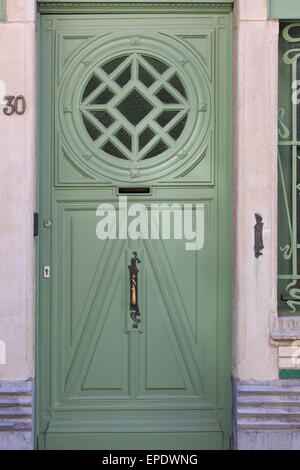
(14, 104)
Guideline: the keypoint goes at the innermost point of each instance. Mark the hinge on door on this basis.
(35, 224)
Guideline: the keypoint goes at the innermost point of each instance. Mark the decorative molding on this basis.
(92, 7)
(16, 406)
(132, 163)
(133, 1)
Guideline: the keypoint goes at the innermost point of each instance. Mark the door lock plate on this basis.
(46, 272)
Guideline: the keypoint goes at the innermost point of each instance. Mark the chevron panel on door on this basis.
(102, 356)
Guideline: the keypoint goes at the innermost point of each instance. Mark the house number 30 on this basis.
(14, 104)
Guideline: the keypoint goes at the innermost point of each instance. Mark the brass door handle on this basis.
(133, 290)
(134, 307)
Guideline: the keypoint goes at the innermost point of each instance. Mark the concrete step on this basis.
(268, 414)
(245, 425)
(16, 406)
(18, 425)
(14, 413)
(268, 406)
(15, 401)
(269, 397)
(270, 402)
(16, 388)
(285, 387)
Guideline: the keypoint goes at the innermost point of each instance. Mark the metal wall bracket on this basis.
(258, 236)
(35, 224)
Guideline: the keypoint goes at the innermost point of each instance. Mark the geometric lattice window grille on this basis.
(134, 107)
(289, 171)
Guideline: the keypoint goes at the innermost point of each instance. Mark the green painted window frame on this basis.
(289, 374)
(289, 169)
(284, 9)
(2, 10)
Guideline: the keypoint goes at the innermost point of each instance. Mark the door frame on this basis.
(224, 166)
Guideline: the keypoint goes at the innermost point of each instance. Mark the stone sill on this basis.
(285, 330)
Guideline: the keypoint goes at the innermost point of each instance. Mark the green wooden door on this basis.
(134, 101)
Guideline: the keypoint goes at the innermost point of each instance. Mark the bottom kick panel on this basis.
(136, 432)
(134, 441)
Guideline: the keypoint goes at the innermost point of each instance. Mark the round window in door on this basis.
(135, 109)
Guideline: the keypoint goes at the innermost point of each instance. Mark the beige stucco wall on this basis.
(255, 190)
(255, 181)
(17, 176)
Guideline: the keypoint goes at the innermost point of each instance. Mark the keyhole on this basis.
(46, 272)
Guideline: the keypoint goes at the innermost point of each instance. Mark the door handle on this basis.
(134, 306)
